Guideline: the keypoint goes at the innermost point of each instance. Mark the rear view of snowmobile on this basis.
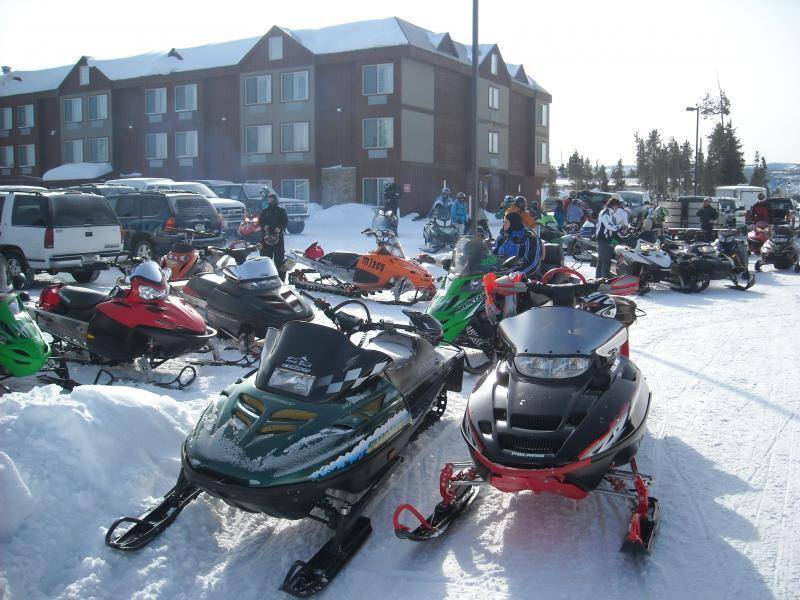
(439, 233)
(562, 412)
(385, 269)
(734, 245)
(781, 250)
(314, 433)
(758, 236)
(137, 321)
(700, 263)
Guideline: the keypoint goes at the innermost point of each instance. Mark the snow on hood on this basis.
(77, 171)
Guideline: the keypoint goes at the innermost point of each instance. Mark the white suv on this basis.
(59, 231)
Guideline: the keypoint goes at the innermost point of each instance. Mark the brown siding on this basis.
(71, 84)
(294, 54)
(128, 122)
(335, 115)
(453, 136)
(519, 133)
(218, 144)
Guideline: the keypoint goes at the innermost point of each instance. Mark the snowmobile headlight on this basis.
(706, 249)
(291, 381)
(779, 239)
(545, 367)
(475, 284)
(647, 247)
(147, 292)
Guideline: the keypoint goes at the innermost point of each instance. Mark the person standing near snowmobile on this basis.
(653, 224)
(520, 207)
(533, 208)
(515, 240)
(558, 214)
(607, 229)
(458, 213)
(574, 211)
(440, 206)
(273, 221)
(760, 210)
(391, 197)
(708, 216)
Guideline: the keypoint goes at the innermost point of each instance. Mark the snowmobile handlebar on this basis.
(350, 324)
(551, 290)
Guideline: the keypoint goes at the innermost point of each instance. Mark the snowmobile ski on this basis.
(155, 520)
(441, 519)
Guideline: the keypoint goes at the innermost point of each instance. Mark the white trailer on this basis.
(745, 195)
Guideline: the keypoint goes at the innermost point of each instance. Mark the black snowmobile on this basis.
(781, 250)
(315, 432)
(439, 233)
(697, 265)
(562, 411)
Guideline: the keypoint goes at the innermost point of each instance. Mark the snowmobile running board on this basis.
(350, 291)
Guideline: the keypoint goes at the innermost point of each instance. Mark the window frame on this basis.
(294, 196)
(495, 97)
(97, 139)
(73, 144)
(364, 134)
(30, 150)
(268, 77)
(268, 126)
(163, 103)
(542, 114)
(196, 144)
(380, 183)
(97, 104)
(270, 41)
(542, 157)
(494, 67)
(79, 100)
(494, 136)
(308, 137)
(7, 110)
(26, 125)
(377, 67)
(175, 99)
(308, 88)
(84, 77)
(9, 151)
(157, 137)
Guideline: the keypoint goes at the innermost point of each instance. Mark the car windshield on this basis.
(631, 198)
(197, 188)
(75, 210)
(472, 256)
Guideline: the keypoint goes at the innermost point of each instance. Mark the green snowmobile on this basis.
(23, 350)
(314, 432)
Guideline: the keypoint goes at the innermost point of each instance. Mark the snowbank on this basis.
(16, 501)
(77, 171)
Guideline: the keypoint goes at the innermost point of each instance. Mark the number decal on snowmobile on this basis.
(371, 263)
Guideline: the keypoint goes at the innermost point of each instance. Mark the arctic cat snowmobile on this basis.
(23, 350)
(137, 321)
(315, 432)
(562, 411)
(695, 266)
(352, 274)
(439, 233)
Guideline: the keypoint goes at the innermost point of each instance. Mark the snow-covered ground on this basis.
(723, 444)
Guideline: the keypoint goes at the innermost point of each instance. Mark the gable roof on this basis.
(28, 82)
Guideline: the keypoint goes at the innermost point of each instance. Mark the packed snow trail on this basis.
(723, 445)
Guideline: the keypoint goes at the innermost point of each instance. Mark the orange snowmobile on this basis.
(385, 269)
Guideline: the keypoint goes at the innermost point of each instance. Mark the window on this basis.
(494, 97)
(378, 79)
(495, 61)
(30, 211)
(127, 207)
(494, 142)
(24, 116)
(275, 48)
(258, 139)
(98, 149)
(155, 146)
(372, 188)
(97, 107)
(73, 151)
(258, 89)
(294, 188)
(378, 133)
(76, 210)
(5, 118)
(83, 74)
(73, 110)
(294, 137)
(294, 86)
(6, 156)
(542, 114)
(541, 153)
(186, 97)
(153, 206)
(186, 144)
(155, 101)
(27, 155)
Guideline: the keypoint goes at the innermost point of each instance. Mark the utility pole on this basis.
(473, 209)
(696, 110)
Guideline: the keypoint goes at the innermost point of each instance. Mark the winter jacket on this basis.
(607, 225)
(574, 213)
(760, 212)
(275, 217)
(521, 243)
(391, 198)
(458, 213)
(707, 214)
(527, 218)
(558, 215)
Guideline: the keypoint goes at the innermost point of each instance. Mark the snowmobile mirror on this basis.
(18, 281)
(24, 296)
(447, 263)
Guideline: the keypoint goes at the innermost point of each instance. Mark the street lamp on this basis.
(696, 110)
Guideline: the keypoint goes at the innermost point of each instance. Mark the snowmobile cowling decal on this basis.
(352, 378)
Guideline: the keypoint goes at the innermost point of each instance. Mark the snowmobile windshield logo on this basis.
(371, 263)
(297, 363)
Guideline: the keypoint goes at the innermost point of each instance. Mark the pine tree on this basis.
(575, 170)
(552, 188)
(601, 177)
(759, 177)
(687, 167)
(618, 174)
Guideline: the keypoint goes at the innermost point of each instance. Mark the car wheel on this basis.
(17, 265)
(85, 275)
(296, 227)
(145, 249)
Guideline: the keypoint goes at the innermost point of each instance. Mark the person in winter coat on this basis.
(760, 210)
(273, 221)
(558, 214)
(533, 208)
(653, 224)
(708, 216)
(515, 240)
(575, 212)
(391, 197)
(607, 229)
(458, 213)
(520, 207)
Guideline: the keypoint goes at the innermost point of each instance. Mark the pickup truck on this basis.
(250, 194)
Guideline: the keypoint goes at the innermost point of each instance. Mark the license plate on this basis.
(199, 227)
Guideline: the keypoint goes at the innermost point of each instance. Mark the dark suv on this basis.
(782, 211)
(148, 217)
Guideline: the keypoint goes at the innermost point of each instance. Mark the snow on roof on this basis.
(377, 33)
(75, 171)
(27, 82)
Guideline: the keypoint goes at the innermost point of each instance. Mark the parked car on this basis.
(250, 194)
(594, 200)
(634, 203)
(22, 188)
(782, 210)
(58, 231)
(139, 183)
(104, 189)
(231, 211)
(728, 208)
(147, 219)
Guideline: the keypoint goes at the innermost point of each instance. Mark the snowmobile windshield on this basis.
(317, 364)
(558, 331)
(472, 256)
(256, 273)
(149, 271)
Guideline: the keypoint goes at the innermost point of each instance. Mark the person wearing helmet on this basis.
(653, 225)
(458, 213)
(760, 210)
(516, 240)
(273, 221)
(574, 210)
(520, 206)
(708, 217)
(391, 197)
(440, 207)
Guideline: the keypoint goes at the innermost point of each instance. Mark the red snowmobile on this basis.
(561, 412)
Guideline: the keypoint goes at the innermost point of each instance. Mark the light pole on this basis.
(473, 208)
(696, 110)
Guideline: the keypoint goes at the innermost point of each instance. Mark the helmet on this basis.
(263, 192)
(573, 195)
(461, 195)
(272, 235)
(662, 212)
(445, 191)
(520, 201)
(760, 195)
(387, 184)
(272, 196)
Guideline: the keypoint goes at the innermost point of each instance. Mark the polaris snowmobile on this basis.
(439, 233)
(734, 245)
(564, 409)
(315, 432)
(23, 350)
(137, 321)
(385, 269)
(758, 236)
(384, 219)
(781, 250)
(185, 259)
(645, 260)
(695, 266)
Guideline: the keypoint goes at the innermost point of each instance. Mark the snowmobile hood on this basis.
(258, 438)
(23, 350)
(255, 268)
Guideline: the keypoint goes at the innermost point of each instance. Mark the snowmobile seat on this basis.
(78, 298)
(412, 362)
(205, 283)
(400, 348)
(341, 259)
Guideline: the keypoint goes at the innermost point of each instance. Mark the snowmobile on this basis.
(384, 219)
(564, 409)
(549, 230)
(185, 260)
(23, 350)
(352, 274)
(439, 233)
(250, 230)
(647, 261)
(580, 243)
(315, 432)
(758, 236)
(781, 250)
(244, 299)
(137, 321)
(734, 246)
(695, 266)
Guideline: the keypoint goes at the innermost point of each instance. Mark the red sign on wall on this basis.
(406, 188)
